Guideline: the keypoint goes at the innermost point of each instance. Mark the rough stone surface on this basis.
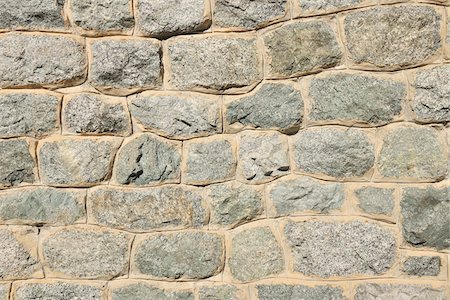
(393, 36)
(255, 254)
(375, 200)
(57, 291)
(220, 292)
(373, 291)
(147, 292)
(148, 159)
(16, 163)
(314, 7)
(4, 291)
(183, 255)
(422, 265)
(284, 291)
(340, 249)
(311, 46)
(34, 60)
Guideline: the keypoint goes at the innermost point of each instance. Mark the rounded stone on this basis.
(57, 291)
(16, 163)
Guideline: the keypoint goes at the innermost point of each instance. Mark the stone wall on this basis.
(238, 149)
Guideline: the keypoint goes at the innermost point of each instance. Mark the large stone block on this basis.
(422, 266)
(290, 291)
(144, 291)
(57, 290)
(374, 291)
(17, 165)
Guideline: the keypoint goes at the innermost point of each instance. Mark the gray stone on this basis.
(273, 106)
(313, 7)
(374, 200)
(255, 254)
(17, 119)
(16, 163)
(4, 291)
(291, 292)
(181, 116)
(94, 114)
(426, 217)
(182, 255)
(147, 159)
(311, 45)
(42, 205)
(221, 292)
(143, 291)
(214, 63)
(302, 194)
(333, 151)
(431, 102)
(340, 249)
(422, 265)
(393, 36)
(86, 253)
(57, 291)
(40, 60)
(356, 98)
(373, 291)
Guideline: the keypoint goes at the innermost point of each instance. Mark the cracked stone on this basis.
(373, 291)
(16, 163)
(422, 265)
(315, 7)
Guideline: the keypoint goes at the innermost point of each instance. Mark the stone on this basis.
(16, 163)
(163, 19)
(76, 161)
(431, 102)
(213, 63)
(355, 99)
(316, 7)
(375, 200)
(255, 254)
(41, 60)
(426, 217)
(373, 291)
(422, 265)
(182, 255)
(42, 205)
(4, 291)
(143, 291)
(17, 119)
(58, 290)
(179, 116)
(273, 106)
(392, 36)
(147, 159)
(296, 195)
(209, 160)
(289, 291)
(86, 253)
(94, 114)
(326, 249)
(220, 292)
(412, 152)
(123, 66)
(447, 46)
(248, 14)
(333, 151)
(311, 45)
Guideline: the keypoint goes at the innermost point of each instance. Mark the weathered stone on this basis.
(248, 14)
(393, 36)
(375, 200)
(57, 291)
(422, 265)
(182, 255)
(426, 217)
(94, 114)
(303, 194)
(4, 291)
(123, 66)
(316, 7)
(447, 46)
(333, 151)
(143, 291)
(220, 292)
(255, 254)
(40, 60)
(355, 98)
(76, 161)
(213, 63)
(42, 205)
(412, 152)
(180, 116)
(311, 45)
(17, 119)
(16, 163)
(285, 291)
(373, 291)
(147, 159)
(164, 18)
(340, 249)
(86, 253)
(273, 106)
(431, 102)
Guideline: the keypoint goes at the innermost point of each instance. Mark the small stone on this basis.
(316, 7)
(340, 249)
(311, 45)
(221, 292)
(143, 291)
(285, 291)
(180, 116)
(57, 291)
(4, 291)
(182, 255)
(393, 36)
(373, 291)
(374, 200)
(16, 163)
(255, 254)
(147, 159)
(422, 265)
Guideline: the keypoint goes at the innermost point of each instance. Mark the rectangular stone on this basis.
(406, 291)
(17, 163)
(57, 290)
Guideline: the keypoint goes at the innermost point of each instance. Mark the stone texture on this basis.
(426, 217)
(393, 36)
(147, 159)
(340, 249)
(285, 291)
(311, 45)
(373, 291)
(273, 106)
(16, 163)
(41, 60)
(316, 7)
(375, 200)
(447, 46)
(182, 255)
(80, 161)
(355, 99)
(179, 116)
(422, 265)
(220, 292)
(4, 291)
(143, 291)
(255, 254)
(333, 151)
(298, 195)
(57, 291)
(213, 62)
